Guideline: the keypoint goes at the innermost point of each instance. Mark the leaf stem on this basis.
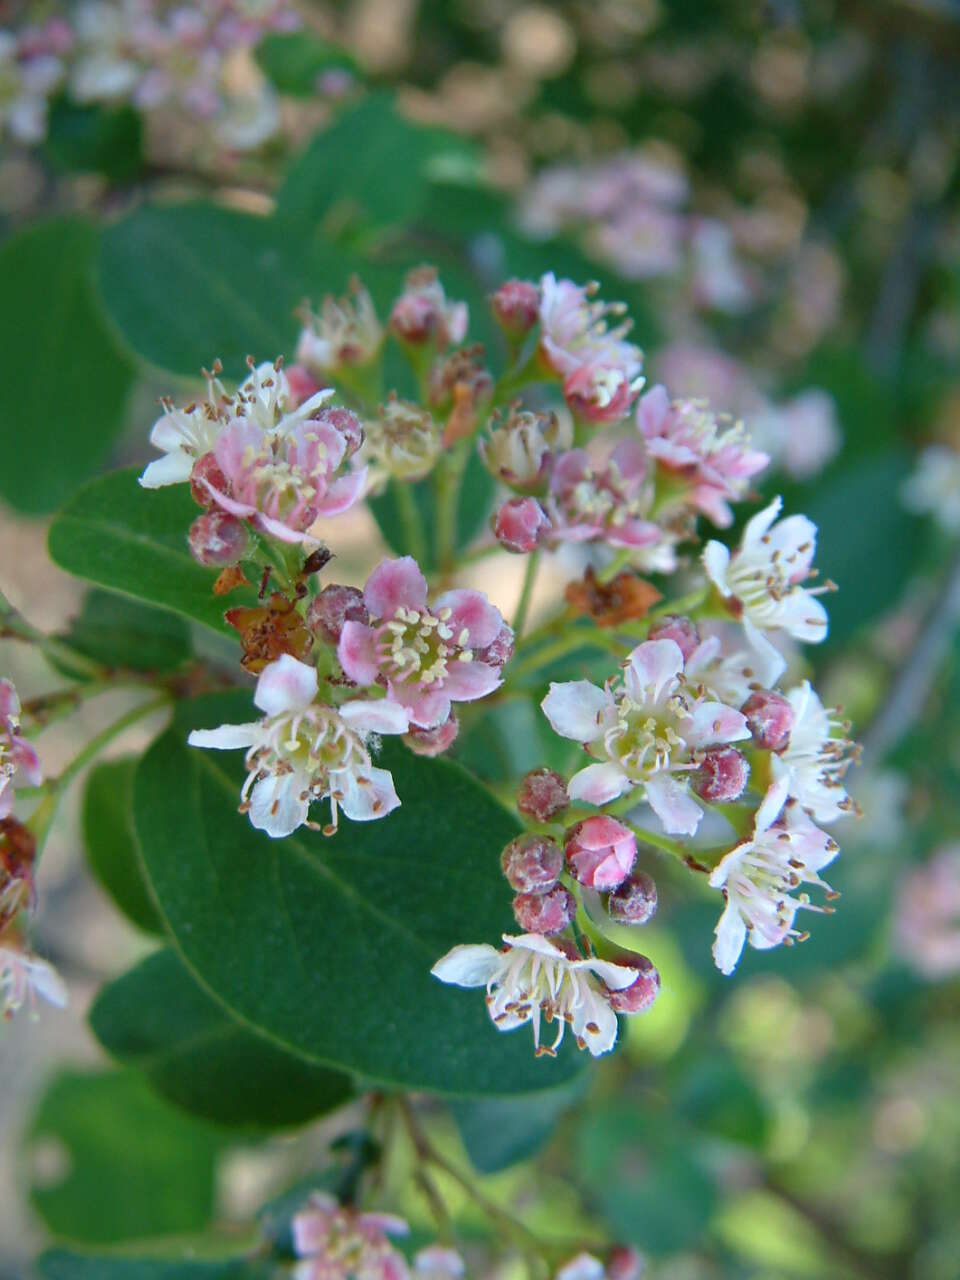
(411, 519)
(447, 482)
(526, 593)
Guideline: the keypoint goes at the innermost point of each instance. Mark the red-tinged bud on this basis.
(218, 539)
(302, 383)
(18, 851)
(624, 1263)
(520, 525)
(722, 775)
(433, 742)
(532, 863)
(599, 394)
(516, 307)
(542, 795)
(206, 469)
(770, 719)
(682, 630)
(423, 313)
(332, 607)
(601, 852)
(644, 989)
(545, 913)
(347, 423)
(635, 901)
(500, 650)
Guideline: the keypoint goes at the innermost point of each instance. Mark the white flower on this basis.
(645, 730)
(265, 399)
(758, 877)
(23, 977)
(934, 487)
(762, 578)
(346, 331)
(532, 978)
(810, 766)
(303, 751)
(732, 677)
(584, 1266)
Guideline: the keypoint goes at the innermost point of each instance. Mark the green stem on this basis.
(447, 481)
(412, 521)
(574, 639)
(683, 604)
(48, 708)
(15, 627)
(620, 561)
(526, 593)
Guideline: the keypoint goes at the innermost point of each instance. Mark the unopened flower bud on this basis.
(542, 795)
(462, 373)
(601, 852)
(433, 742)
(600, 394)
(532, 863)
(520, 525)
(678, 628)
(722, 775)
(301, 382)
(516, 307)
(218, 539)
(206, 468)
(423, 313)
(644, 989)
(346, 332)
(500, 649)
(404, 440)
(770, 719)
(624, 1263)
(635, 901)
(545, 913)
(18, 851)
(347, 423)
(520, 449)
(335, 605)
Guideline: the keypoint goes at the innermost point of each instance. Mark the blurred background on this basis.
(774, 190)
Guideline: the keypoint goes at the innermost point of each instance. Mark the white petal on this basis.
(575, 709)
(670, 800)
(384, 716)
(655, 663)
(364, 798)
(286, 685)
(770, 663)
(277, 806)
(729, 937)
(716, 561)
(173, 468)
(776, 796)
(614, 976)
(758, 525)
(469, 965)
(229, 737)
(599, 784)
(47, 982)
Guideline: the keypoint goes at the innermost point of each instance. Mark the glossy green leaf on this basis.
(157, 1018)
(134, 541)
(325, 944)
(111, 843)
(124, 633)
(112, 1162)
(70, 381)
(499, 1132)
(294, 61)
(59, 1264)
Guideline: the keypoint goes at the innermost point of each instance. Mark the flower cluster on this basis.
(148, 53)
(336, 1242)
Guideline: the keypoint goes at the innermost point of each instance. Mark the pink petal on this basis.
(471, 609)
(280, 530)
(286, 685)
(357, 652)
(630, 460)
(343, 493)
(569, 470)
(395, 584)
(599, 784)
(652, 409)
(6, 797)
(428, 707)
(468, 681)
(383, 716)
(633, 533)
(670, 800)
(25, 757)
(235, 508)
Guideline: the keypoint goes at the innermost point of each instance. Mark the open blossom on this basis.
(345, 331)
(532, 978)
(403, 440)
(761, 580)
(732, 673)
(575, 336)
(23, 978)
(285, 481)
(303, 750)
(428, 656)
(713, 457)
(811, 765)
(336, 1242)
(18, 758)
(520, 450)
(601, 392)
(759, 876)
(647, 730)
(608, 503)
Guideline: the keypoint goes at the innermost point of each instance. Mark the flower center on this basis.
(417, 647)
(313, 743)
(645, 735)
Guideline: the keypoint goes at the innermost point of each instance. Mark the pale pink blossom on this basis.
(336, 1242)
(520, 525)
(23, 978)
(600, 393)
(19, 761)
(532, 978)
(304, 751)
(574, 330)
(423, 312)
(428, 656)
(591, 502)
(759, 878)
(646, 730)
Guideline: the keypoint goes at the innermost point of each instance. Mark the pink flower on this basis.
(574, 330)
(520, 525)
(428, 657)
(336, 1242)
(601, 852)
(599, 392)
(423, 313)
(603, 503)
(647, 730)
(713, 456)
(927, 918)
(285, 482)
(18, 758)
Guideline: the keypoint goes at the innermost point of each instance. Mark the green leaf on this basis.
(499, 1132)
(134, 541)
(717, 1097)
(111, 844)
(100, 139)
(158, 1019)
(293, 61)
(58, 1264)
(132, 1167)
(325, 945)
(123, 633)
(67, 382)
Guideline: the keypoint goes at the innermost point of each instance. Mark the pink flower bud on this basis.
(642, 992)
(532, 863)
(682, 630)
(722, 774)
(520, 524)
(599, 394)
(334, 606)
(635, 901)
(500, 650)
(516, 307)
(433, 742)
(347, 423)
(770, 719)
(548, 912)
(601, 852)
(624, 1263)
(542, 795)
(414, 317)
(302, 383)
(206, 468)
(218, 539)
